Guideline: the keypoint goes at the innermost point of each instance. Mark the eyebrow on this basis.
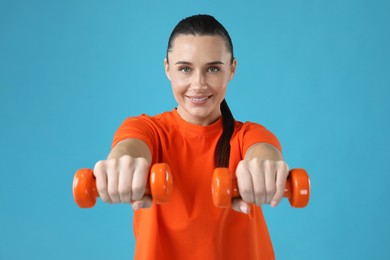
(209, 63)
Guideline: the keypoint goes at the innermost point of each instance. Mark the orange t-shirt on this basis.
(189, 226)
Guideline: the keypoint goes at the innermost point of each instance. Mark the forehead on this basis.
(213, 46)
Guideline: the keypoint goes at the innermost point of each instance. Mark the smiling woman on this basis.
(208, 26)
(193, 139)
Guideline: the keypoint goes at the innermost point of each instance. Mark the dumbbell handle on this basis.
(297, 189)
(159, 186)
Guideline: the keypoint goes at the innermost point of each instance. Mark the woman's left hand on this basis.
(260, 182)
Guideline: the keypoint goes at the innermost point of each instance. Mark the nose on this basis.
(198, 81)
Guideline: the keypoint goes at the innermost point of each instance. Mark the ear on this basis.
(233, 69)
(166, 66)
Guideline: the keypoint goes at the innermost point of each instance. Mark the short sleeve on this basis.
(252, 133)
(141, 127)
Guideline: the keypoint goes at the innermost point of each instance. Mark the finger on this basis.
(257, 173)
(281, 177)
(145, 202)
(100, 174)
(241, 206)
(244, 182)
(270, 180)
(124, 185)
(140, 178)
(113, 181)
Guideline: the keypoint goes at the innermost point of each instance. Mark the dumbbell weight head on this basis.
(84, 188)
(221, 187)
(298, 188)
(161, 183)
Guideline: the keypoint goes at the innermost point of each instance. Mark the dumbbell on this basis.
(224, 188)
(159, 186)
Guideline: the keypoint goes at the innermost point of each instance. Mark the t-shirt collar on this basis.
(197, 129)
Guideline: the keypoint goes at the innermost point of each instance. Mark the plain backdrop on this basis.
(316, 73)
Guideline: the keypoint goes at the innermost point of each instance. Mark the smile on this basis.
(199, 100)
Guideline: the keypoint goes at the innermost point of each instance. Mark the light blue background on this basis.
(316, 73)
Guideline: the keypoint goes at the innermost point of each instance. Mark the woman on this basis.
(194, 138)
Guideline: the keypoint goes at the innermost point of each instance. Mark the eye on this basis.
(213, 69)
(185, 69)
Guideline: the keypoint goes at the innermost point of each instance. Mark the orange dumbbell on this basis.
(160, 186)
(224, 188)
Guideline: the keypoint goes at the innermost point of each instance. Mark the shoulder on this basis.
(249, 133)
(248, 126)
(145, 119)
(144, 127)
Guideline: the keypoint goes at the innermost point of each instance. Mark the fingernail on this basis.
(274, 203)
(244, 209)
(137, 206)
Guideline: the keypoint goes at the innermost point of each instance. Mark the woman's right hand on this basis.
(123, 180)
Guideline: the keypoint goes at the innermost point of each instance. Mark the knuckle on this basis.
(256, 162)
(112, 163)
(101, 187)
(102, 191)
(283, 165)
(141, 161)
(267, 163)
(105, 199)
(260, 197)
(138, 192)
(99, 167)
(104, 195)
(260, 194)
(124, 191)
(125, 159)
(247, 195)
(271, 191)
(99, 164)
(112, 192)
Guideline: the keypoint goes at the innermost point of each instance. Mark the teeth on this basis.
(199, 99)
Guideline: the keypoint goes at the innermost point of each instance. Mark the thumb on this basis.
(241, 206)
(145, 202)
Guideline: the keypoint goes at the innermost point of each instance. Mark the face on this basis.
(199, 68)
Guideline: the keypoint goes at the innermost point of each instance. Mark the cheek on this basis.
(219, 86)
(178, 89)
(222, 93)
(178, 80)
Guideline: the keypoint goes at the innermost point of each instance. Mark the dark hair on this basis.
(208, 25)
